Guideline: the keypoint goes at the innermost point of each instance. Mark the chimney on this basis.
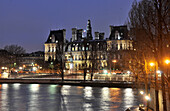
(74, 34)
(96, 35)
(101, 36)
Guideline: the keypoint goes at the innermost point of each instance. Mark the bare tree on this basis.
(84, 57)
(149, 21)
(14, 49)
(60, 58)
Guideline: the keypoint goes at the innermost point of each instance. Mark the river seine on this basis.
(45, 97)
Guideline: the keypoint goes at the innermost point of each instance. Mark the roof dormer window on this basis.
(53, 38)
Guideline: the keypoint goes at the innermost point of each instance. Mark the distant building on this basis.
(31, 59)
(83, 49)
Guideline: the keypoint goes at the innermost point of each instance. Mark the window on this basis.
(79, 47)
(120, 46)
(112, 46)
(124, 46)
(69, 48)
(116, 46)
(53, 39)
(52, 49)
(75, 57)
(72, 48)
(48, 49)
(86, 48)
(76, 48)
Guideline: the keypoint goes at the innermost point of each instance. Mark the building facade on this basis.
(86, 51)
(55, 38)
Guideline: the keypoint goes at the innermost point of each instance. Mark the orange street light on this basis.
(151, 64)
(114, 61)
(167, 61)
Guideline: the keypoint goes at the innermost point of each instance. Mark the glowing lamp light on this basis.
(114, 61)
(152, 64)
(34, 68)
(158, 71)
(141, 92)
(20, 68)
(128, 72)
(147, 98)
(105, 71)
(167, 61)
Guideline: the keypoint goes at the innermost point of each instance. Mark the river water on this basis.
(45, 97)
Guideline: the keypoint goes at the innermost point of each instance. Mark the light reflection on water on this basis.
(36, 97)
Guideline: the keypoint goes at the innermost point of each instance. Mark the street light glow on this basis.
(128, 72)
(105, 71)
(152, 64)
(147, 98)
(158, 71)
(167, 61)
(114, 61)
(34, 68)
(141, 92)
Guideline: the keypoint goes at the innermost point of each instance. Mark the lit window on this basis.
(86, 48)
(72, 48)
(76, 48)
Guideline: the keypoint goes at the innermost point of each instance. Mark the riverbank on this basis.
(68, 82)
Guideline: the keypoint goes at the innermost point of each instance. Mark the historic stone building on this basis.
(55, 37)
(84, 51)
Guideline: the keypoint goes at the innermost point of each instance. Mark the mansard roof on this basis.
(57, 34)
(122, 30)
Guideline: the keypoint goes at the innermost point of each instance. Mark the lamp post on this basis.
(114, 61)
(156, 87)
(168, 76)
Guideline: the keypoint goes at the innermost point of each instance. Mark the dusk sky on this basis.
(28, 22)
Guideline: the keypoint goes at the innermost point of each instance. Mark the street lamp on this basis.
(152, 64)
(147, 98)
(141, 92)
(167, 61)
(156, 87)
(114, 61)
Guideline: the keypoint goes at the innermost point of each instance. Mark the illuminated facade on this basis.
(84, 50)
(55, 37)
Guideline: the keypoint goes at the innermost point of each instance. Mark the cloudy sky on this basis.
(28, 22)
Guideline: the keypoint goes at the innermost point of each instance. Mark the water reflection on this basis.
(88, 93)
(4, 86)
(35, 97)
(52, 89)
(34, 88)
(128, 97)
(4, 97)
(16, 86)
